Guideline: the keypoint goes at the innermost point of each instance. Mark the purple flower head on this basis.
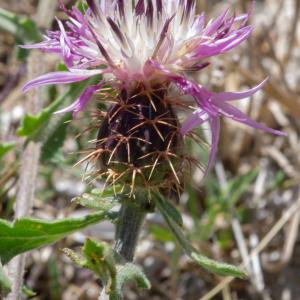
(149, 43)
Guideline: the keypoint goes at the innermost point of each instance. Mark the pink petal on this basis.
(214, 25)
(199, 23)
(60, 78)
(215, 135)
(194, 120)
(230, 96)
(81, 102)
(233, 113)
(222, 45)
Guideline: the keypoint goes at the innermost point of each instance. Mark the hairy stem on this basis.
(128, 229)
(131, 217)
(30, 156)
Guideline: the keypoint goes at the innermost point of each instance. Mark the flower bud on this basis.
(140, 140)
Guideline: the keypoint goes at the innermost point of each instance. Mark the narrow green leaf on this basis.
(54, 282)
(30, 124)
(222, 269)
(239, 185)
(22, 28)
(205, 262)
(28, 292)
(277, 181)
(56, 134)
(5, 284)
(27, 234)
(8, 22)
(5, 148)
(169, 209)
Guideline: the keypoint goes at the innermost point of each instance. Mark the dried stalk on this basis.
(237, 230)
(293, 34)
(286, 216)
(274, 90)
(31, 155)
(28, 173)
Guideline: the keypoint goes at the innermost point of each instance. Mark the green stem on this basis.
(128, 228)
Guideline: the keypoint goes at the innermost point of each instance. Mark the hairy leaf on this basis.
(216, 267)
(27, 234)
(97, 257)
(205, 262)
(169, 209)
(99, 199)
(109, 267)
(129, 272)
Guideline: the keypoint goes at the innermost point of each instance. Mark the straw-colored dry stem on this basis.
(30, 156)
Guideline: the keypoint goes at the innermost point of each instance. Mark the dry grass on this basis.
(267, 242)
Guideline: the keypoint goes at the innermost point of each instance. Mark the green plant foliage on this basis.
(5, 148)
(108, 266)
(129, 272)
(228, 197)
(216, 267)
(82, 6)
(222, 202)
(24, 30)
(56, 135)
(278, 181)
(169, 209)
(55, 289)
(239, 185)
(205, 262)
(27, 234)
(161, 234)
(28, 292)
(96, 257)
(5, 284)
(99, 259)
(99, 199)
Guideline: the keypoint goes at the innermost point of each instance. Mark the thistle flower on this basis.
(144, 49)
